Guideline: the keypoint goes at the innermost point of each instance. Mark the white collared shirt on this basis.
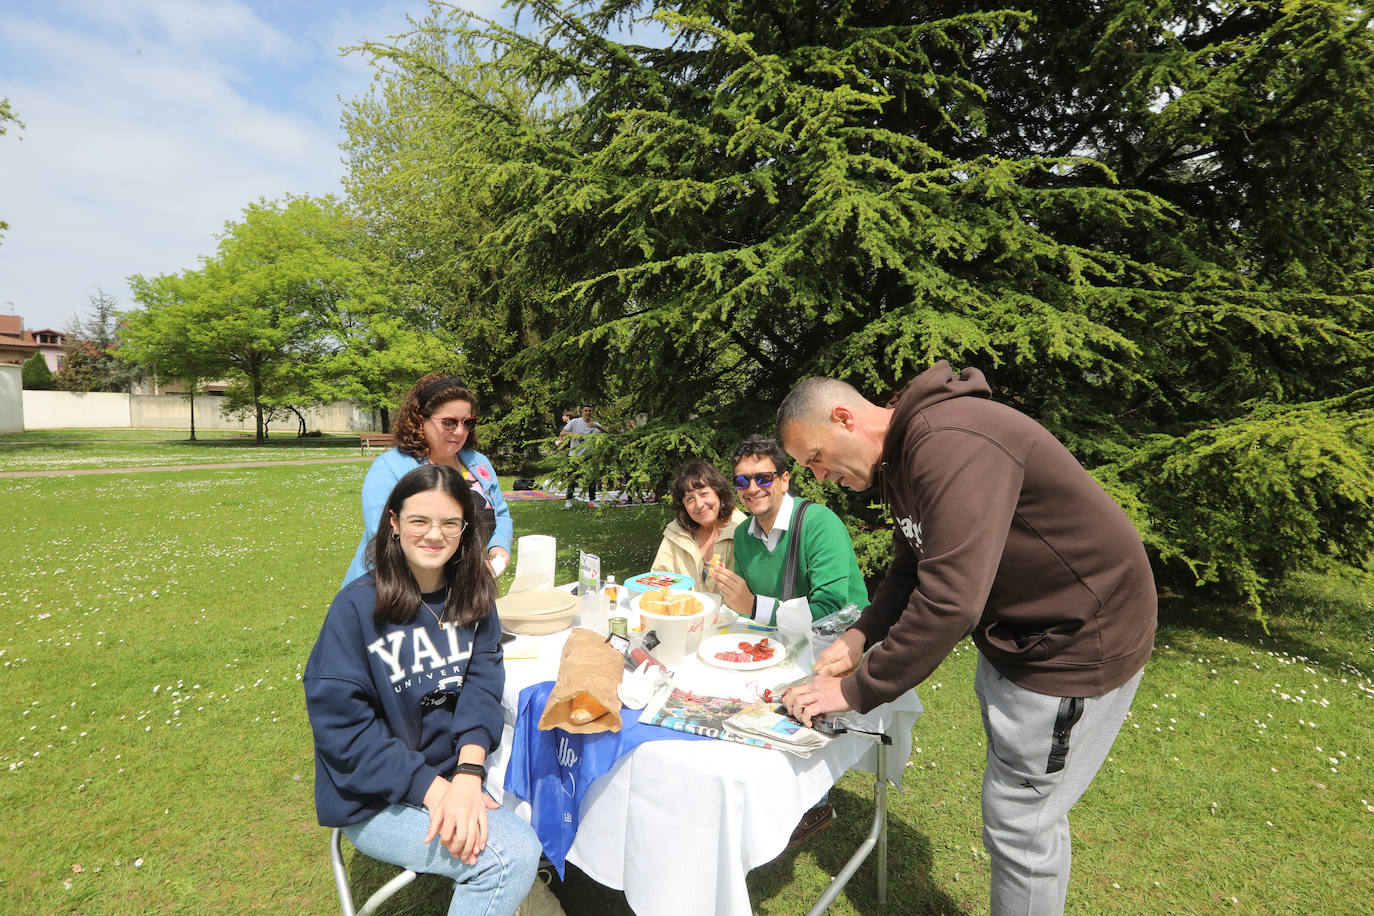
(780, 523)
(764, 605)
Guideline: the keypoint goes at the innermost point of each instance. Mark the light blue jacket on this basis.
(390, 466)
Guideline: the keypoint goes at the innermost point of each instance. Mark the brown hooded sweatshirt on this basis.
(999, 533)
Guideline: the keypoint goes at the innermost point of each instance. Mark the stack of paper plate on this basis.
(537, 611)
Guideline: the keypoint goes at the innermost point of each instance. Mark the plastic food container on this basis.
(678, 635)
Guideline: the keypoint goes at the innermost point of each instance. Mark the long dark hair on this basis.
(425, 396)
(700, 474)
(471, 586)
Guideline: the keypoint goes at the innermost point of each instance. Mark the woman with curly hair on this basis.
(437, 424)
(703, 526)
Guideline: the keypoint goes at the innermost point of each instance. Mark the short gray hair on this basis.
(813, 398)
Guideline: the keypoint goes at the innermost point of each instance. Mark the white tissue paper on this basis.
(638, 686)
(793, 619)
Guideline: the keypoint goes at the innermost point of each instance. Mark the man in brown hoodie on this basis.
(1002, 535)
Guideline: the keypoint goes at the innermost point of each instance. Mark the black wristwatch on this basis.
(471, 769)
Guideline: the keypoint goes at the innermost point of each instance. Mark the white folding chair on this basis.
(382, 894)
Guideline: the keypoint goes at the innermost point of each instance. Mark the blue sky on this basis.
(150, 123)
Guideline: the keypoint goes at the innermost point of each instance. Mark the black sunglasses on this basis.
(763, 479)
(451, 423)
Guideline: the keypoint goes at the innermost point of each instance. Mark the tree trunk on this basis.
(261, 434)
(300, 422)
(192, 396)
(386, 419)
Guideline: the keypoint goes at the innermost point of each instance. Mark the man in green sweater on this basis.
(827, 572)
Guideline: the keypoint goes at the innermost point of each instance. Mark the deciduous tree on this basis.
(7, 117)
(294, 309)
(420, 174)
(167, 337)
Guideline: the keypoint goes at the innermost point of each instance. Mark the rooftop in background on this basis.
(17, 344)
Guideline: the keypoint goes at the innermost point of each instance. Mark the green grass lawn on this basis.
(155, 755)
(77, 449)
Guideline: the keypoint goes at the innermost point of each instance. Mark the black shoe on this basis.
(817, 819)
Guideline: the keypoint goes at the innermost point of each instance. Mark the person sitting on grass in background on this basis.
(437, 424)
(703, 527)
(403, 691)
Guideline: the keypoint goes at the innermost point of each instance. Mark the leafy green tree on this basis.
(260, 304)
(1150, 225)
(296, 309)
(7, 117)
(35, 374)
(165, 337)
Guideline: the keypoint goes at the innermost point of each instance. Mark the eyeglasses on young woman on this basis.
(418, 526)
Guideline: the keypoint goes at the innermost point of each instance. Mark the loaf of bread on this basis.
(585, 697)
(585, 708)
(670, 603)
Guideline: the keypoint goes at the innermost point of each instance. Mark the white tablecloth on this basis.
(677, 825)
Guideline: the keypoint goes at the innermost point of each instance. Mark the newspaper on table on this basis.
(782, 732)
(729, 719)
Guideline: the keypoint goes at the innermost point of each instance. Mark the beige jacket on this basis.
(678, 552)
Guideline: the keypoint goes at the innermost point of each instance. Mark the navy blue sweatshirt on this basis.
(375, 745)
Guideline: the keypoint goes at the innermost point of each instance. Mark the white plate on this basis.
(729, 642)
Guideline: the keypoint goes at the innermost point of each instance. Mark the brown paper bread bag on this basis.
(584, 697)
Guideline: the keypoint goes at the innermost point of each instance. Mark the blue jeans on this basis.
(494, 886)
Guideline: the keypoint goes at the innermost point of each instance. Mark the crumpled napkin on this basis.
(638, 686)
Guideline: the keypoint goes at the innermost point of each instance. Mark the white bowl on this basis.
(536, 612)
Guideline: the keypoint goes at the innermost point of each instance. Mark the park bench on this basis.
(369, 441)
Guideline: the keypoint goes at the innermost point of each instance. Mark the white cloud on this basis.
(204, 27)
(150, 123)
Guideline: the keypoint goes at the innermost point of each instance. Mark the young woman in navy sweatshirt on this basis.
(403, 689)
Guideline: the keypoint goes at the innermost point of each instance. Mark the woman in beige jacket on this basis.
(704, 527)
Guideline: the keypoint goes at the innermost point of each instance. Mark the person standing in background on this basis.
(577, 430)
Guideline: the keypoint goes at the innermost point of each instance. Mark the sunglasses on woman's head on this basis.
(763, 479)
(451, 423)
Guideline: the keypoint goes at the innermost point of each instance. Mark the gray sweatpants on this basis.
(1043, 751)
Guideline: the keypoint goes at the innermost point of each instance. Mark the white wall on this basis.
(61, 409)
(11, 399)
(97, 410)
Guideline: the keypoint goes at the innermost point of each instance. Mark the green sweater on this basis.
(827, 570)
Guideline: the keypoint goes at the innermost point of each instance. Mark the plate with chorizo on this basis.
(741, 652)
